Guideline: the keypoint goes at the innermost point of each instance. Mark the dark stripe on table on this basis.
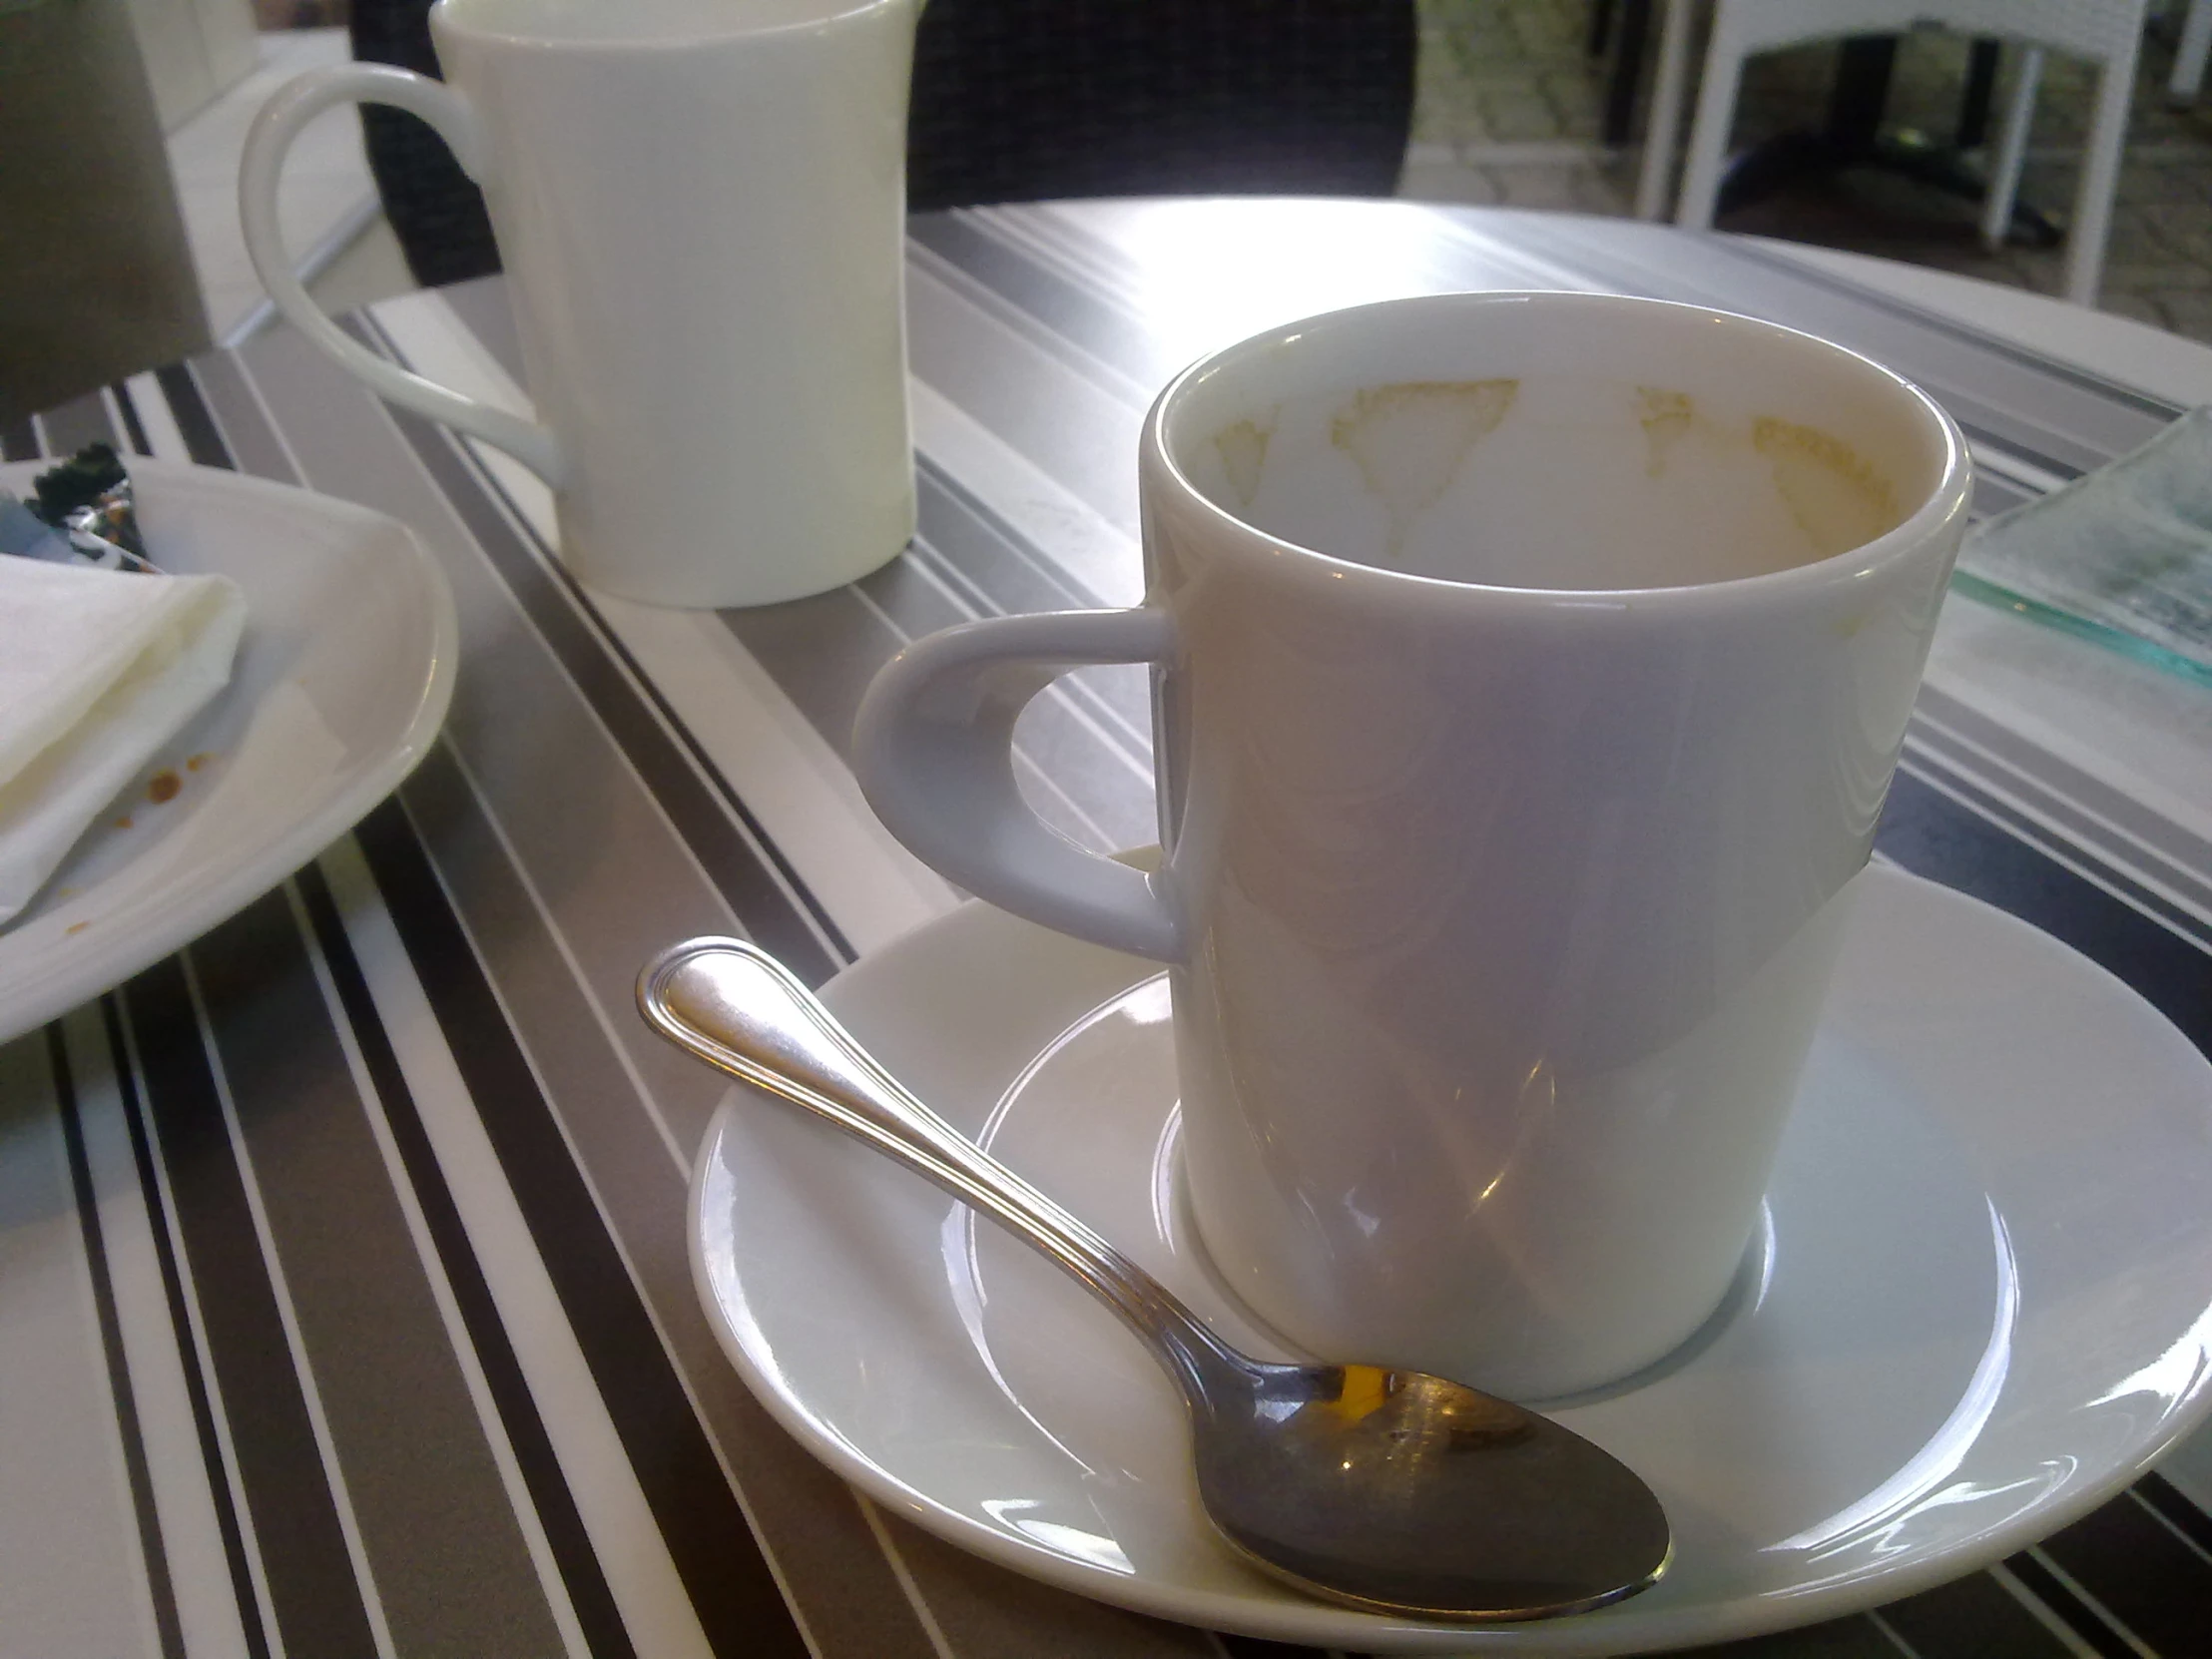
(2155, 1583)
(449, 1561)
(954, 517)
(550, 1495)
(2087, 813)
(132, 428)
(1931, 835)
(986, 569)
(1970, 1618)
(2072, 844)
(723, 1569)
(2159, 1495)
(136, 1121)
(2100, 1634)
(156, 1560)
(18, 440)
(1981, 436)
(1994, 495)
(203, 443)
(313, 1592)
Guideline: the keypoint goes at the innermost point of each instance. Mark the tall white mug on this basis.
(699, 204)
(1529, 672)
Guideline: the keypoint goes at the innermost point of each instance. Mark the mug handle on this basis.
(266, 143)
(933, 750)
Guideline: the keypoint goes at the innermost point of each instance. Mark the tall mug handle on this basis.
(266, 143)
(933, 750)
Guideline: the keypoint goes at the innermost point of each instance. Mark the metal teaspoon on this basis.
(1392, 1490)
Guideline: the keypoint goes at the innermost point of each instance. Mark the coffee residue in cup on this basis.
(1665, 417)
(1243, 446)
(1409, 438)
(1830, 489)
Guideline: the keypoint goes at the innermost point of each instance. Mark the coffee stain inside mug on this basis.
(1836, 496)
(1410, 437)
(1832, 494)
(1665, 417)
(1243, 446)
(1588, 481)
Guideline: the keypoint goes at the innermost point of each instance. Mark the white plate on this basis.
(1980, 1308)
(341, 683)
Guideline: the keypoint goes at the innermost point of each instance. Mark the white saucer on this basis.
(1983, 1306)
(340, 687)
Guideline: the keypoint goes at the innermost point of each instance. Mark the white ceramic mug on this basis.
(1529, 673)
(699, 204)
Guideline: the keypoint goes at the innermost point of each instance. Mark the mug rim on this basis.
(1946, 499)
(443, 18)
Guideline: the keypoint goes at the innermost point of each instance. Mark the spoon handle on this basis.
(736, 1007)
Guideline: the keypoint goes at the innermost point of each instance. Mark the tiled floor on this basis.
(1507, 112)
(325, 188)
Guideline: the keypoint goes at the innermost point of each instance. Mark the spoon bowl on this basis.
(1392, 1490)
(1402, 1493)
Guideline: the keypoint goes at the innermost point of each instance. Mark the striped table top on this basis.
(345, 1304)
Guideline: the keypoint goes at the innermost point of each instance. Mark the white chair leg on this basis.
(2011, 151)
(2191, 54)
(2100, 178)
(1716, 110)
(1665, 125)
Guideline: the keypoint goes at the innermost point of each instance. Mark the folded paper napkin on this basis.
(98, 670)
(2121, 556)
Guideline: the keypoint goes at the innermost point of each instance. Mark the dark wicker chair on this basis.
(436, 213)
(1030, 100)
